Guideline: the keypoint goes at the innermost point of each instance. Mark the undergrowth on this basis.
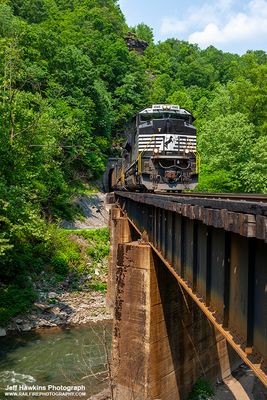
(14, 300)
(81, 252)
(79, 257)
(202, 390)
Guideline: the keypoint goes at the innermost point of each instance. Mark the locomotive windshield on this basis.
(149, 117)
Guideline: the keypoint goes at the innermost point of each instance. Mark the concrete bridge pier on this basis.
(162, 342)
(120, 232)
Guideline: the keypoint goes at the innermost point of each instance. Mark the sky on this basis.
(233, 26)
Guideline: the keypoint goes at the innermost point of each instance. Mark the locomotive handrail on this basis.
(197, 162)
(139, 158)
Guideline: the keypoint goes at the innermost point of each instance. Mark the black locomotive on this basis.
(160, 152)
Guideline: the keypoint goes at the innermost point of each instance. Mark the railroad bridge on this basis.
(188, 286)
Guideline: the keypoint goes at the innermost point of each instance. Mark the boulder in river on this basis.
(26, 328)
(52, 295)
(2, 332)
(43, 306)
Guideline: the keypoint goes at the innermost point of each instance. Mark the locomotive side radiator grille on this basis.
(179, 142)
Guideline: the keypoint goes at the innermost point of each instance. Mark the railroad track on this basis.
(235, 202)
(223, 196)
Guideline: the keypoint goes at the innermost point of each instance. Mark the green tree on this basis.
(254, 172)
(144, 32)
(225, 145)
(181, 97)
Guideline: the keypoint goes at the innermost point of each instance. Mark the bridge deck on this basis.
(216, 249)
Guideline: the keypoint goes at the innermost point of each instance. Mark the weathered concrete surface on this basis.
(131, 328)
(162, 342)
(119, 233)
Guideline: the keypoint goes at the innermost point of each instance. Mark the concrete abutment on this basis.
(162, 342)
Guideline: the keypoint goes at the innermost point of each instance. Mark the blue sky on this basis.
(230, 25)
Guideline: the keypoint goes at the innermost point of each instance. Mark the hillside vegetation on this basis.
(69, 85)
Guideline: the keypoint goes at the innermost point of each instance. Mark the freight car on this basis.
(160, 152)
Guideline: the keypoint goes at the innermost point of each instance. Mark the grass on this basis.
(73, 254)
(98, 243)
(202, 390)
(83, 252)
(89, 188)
(101, 287)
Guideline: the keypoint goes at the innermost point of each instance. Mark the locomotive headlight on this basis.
(156, 151)
(186, 151)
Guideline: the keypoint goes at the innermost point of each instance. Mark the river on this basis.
(68, 357)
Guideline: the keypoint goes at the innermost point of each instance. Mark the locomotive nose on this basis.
(171, 175)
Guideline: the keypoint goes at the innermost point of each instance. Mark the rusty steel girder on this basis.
(216, 249)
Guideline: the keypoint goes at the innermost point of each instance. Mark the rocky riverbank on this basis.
(67, 302)
(62, 309)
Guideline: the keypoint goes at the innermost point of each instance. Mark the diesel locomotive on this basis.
(160, 152)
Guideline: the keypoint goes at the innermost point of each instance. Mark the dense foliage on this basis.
(67, 81)
(227, 95)
(69, 84)
(79, 261)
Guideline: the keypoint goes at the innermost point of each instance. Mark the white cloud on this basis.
(190, 18)
(195, 16)
(211, 33)
(219, 23)
(247, 26)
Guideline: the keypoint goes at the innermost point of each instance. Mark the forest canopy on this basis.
(69, 85)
